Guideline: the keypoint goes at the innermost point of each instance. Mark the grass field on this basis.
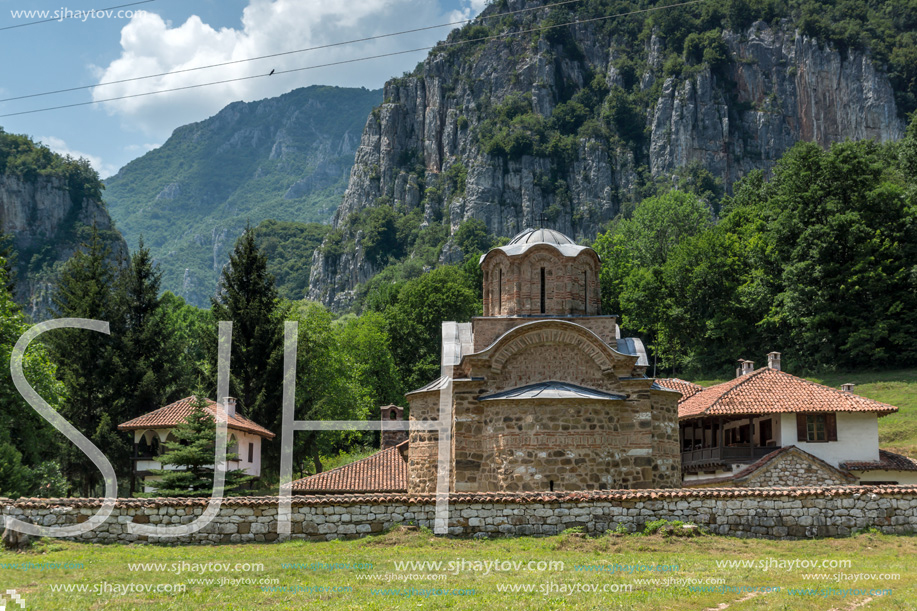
(365, 575)
(897, 432)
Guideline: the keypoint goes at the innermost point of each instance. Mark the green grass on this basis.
(897, 432)
(375, 569)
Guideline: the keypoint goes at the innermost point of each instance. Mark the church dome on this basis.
(541, 272)
(531, 237)
(540, 236)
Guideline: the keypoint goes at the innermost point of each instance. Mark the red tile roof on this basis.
(170, 415)
(686, 388)
(888, 461)
(768, 391)
(384, 471)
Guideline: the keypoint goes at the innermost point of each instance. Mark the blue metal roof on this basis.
(553, 390)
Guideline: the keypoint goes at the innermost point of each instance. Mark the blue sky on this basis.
(166, 35)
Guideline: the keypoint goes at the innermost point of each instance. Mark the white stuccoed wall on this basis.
(857, 438)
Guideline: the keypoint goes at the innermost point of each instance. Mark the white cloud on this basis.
(140, 149)
(59, 146)
(150, 45)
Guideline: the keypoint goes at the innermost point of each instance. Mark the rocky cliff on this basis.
(47, 225)
(571, 122)
(285, 158)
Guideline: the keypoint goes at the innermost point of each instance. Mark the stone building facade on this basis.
(543, 393)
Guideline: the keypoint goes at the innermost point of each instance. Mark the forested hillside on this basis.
(285, 158)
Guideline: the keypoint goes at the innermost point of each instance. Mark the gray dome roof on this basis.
(530, 237)
(540, 236)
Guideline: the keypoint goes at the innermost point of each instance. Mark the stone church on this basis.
(545, 395)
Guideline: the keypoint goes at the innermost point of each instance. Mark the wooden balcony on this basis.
(725, 455)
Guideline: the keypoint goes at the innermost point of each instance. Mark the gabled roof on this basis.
(553, 390)
(170, 415)
(888, 461)
(769, 391)
(686, 388)
(384, 471)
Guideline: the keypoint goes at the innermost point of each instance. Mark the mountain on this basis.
(518, 116)
(285, 158)
(48, 206)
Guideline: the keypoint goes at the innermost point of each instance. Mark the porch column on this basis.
(751, 437)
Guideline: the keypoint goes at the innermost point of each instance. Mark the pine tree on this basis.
(84, 358)
(247, 297)
(145, 348)
(193, 454)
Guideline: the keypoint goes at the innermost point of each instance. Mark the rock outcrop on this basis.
(47, 227)
(776, 87)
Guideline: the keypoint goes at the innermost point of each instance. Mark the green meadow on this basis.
(568, 571)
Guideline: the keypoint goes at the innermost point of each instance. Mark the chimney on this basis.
(773, 360)
(391, 438)
(230, 405)
(848, 387)
(745, 368)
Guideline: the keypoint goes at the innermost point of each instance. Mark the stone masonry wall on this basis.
(793, 470)
(549, 445)
(787, 513)
(423, 449)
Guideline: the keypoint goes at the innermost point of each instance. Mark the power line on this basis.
(280, 54)
(350, 61)
(76, 15)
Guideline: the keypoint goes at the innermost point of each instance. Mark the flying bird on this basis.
(272, 71)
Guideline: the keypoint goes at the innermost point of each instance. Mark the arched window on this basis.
(500, 292)
(586, 293)
(542, 290)
(393, 415)
(148, 446)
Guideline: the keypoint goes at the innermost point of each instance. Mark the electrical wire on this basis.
(350, 61)
(280, 54)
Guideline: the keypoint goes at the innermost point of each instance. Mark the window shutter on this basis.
(831, 426)
(801, 434)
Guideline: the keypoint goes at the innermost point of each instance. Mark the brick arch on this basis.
(546, 332)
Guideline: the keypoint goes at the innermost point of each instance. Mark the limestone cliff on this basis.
(47, 225)
(775, 86)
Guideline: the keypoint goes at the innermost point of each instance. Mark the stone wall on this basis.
(556, 445)
(787, 513)
(423, 449)
(796, 469)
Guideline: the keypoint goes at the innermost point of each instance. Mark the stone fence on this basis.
(770, 513)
